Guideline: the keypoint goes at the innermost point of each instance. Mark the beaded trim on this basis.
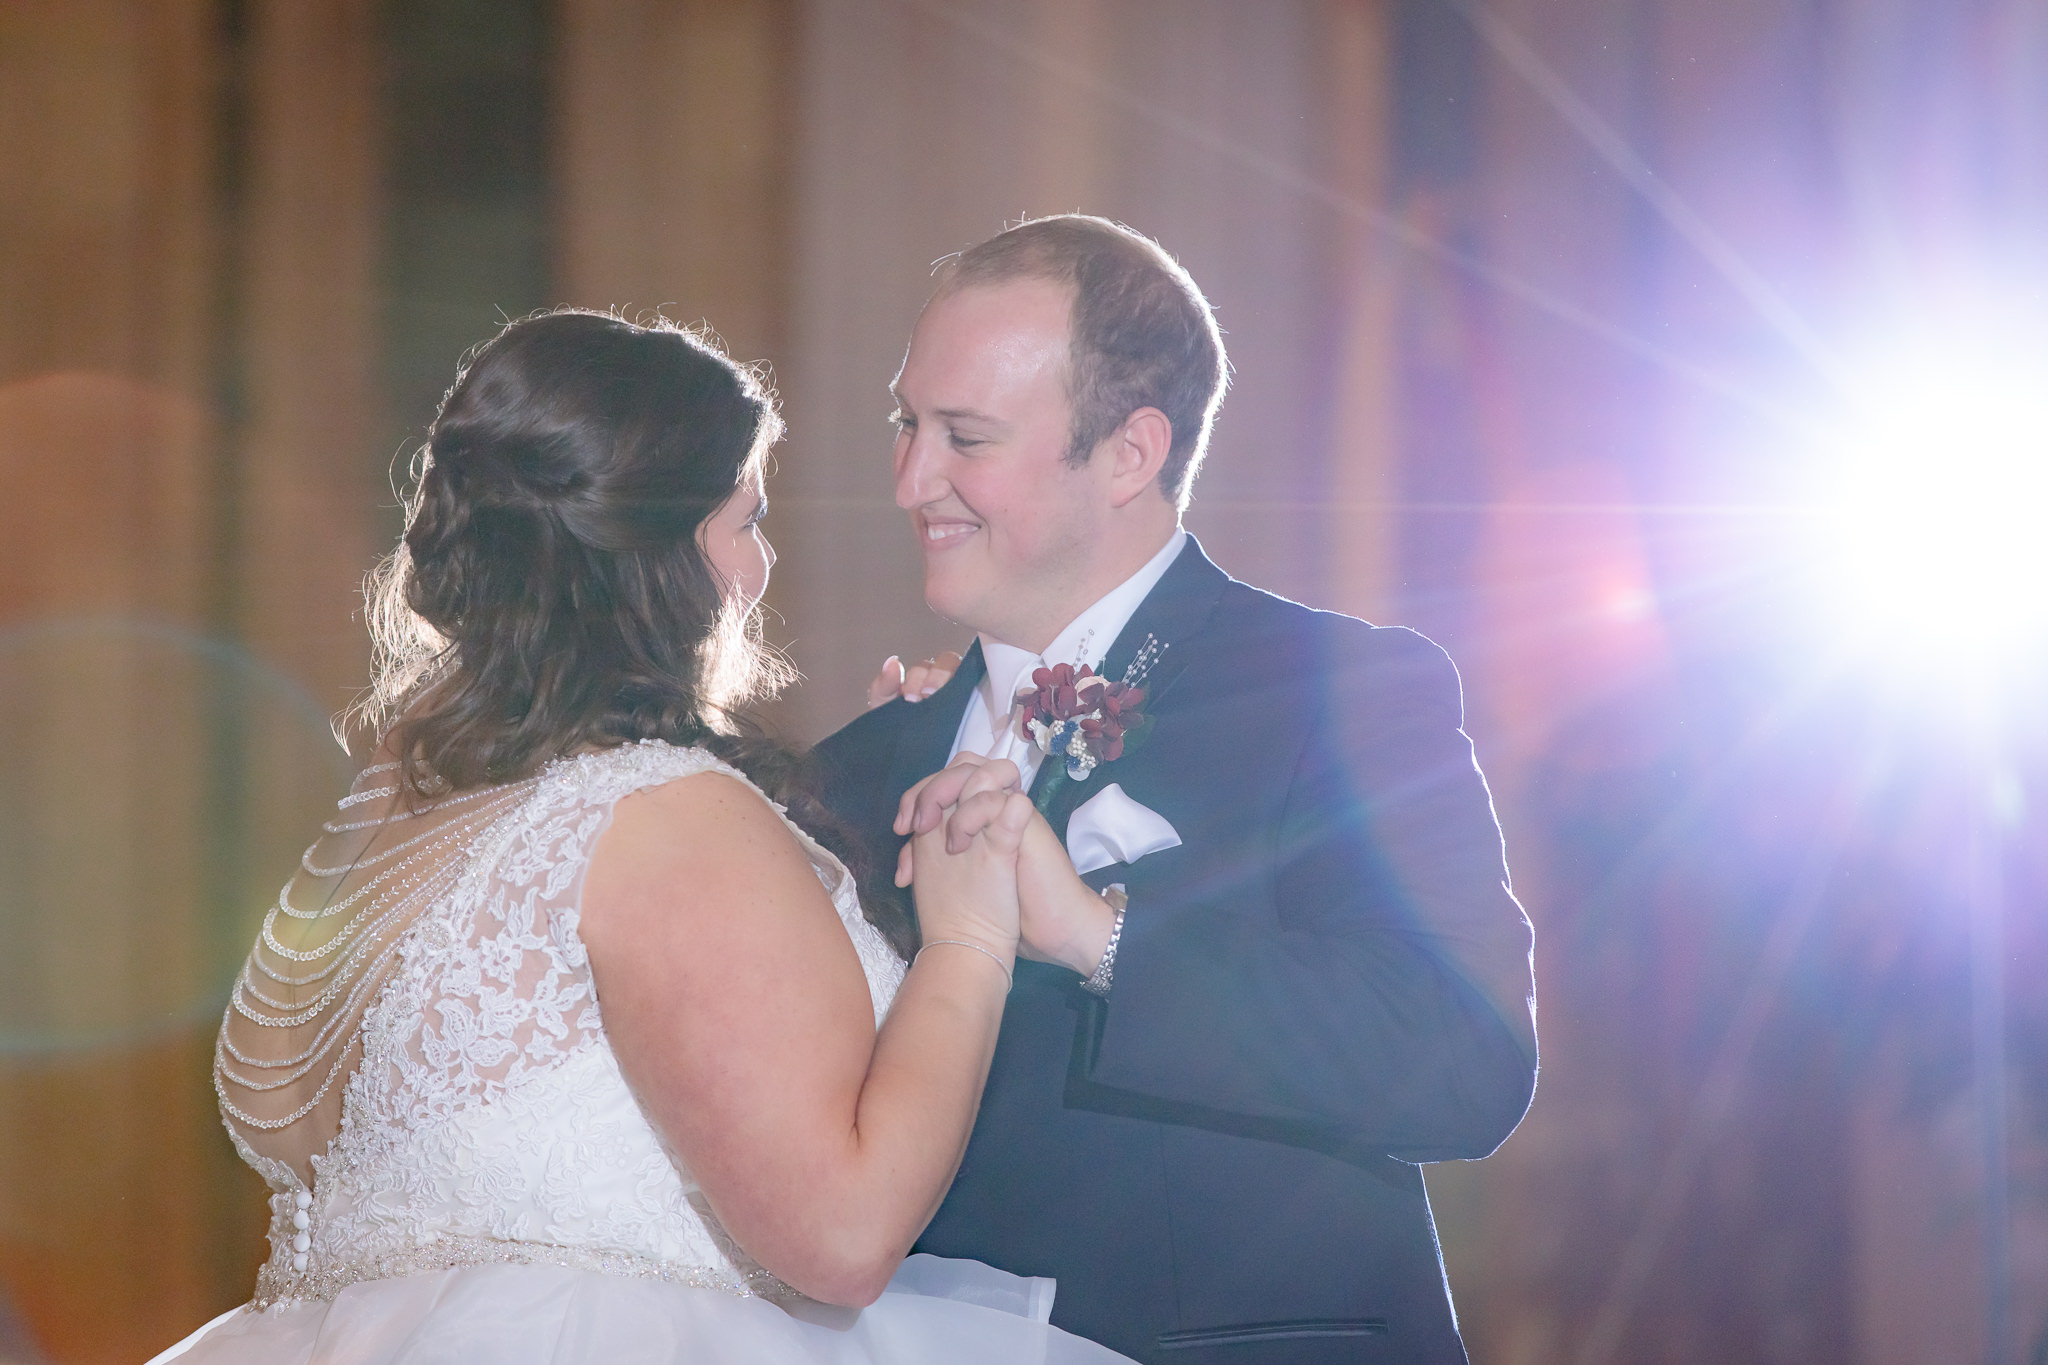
(356, 956)
(278, 1283)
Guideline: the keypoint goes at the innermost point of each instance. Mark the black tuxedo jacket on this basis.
(1326, 981)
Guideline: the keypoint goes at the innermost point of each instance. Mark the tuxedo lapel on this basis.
(925, 739)
(1174, 611)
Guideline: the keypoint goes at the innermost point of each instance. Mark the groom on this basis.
(1289, 964)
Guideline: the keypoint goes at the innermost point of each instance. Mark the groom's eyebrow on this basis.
(949, 414)
(970, 415)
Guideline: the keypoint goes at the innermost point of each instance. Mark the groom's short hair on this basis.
(1141, 333)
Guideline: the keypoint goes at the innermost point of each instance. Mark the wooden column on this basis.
(105, 188)
(106, 251)
(1366, 266)
(186, 214)
(672, 163)
(312, 478)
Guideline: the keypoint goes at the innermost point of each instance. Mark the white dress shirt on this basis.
(986, 728)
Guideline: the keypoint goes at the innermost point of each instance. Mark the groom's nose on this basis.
(918, 477)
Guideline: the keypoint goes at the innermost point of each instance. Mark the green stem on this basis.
(1050, 787)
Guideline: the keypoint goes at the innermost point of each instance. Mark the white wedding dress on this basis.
(495, 1194)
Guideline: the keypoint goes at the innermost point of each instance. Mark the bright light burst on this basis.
(1937, 506)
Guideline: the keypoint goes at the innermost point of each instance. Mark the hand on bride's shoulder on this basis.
(914, 682)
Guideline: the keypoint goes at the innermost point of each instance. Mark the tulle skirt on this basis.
(935, 1312)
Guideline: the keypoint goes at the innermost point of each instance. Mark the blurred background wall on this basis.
(1527, 303)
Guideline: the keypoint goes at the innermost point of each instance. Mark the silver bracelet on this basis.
(963, 943)
(1099, 983)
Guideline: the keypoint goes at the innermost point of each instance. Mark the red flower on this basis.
(1103, 710)
(1056, 693)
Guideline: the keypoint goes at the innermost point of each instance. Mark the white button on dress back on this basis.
(303, 1199)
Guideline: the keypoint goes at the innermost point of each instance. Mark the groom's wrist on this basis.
(1092, 921)
(1098, 981)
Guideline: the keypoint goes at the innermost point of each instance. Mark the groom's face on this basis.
(1006, 524)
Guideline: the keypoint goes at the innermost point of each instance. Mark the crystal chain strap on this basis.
(367, 859)
(394, 817)
(355, 961)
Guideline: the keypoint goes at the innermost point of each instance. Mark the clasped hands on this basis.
(1061, 920)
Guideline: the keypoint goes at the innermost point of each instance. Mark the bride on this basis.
(573, 1037)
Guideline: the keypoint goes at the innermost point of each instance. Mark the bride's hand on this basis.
(988, 808)
(914, 683)
(964, 872)
(931, 799)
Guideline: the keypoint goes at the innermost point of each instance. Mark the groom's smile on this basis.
(944, 532)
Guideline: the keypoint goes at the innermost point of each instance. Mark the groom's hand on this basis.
(1063, 919)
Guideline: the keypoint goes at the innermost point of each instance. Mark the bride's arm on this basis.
(737, 1009)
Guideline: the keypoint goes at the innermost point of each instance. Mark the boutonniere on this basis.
(1082, 719)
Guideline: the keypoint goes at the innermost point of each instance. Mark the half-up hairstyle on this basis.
(551, 593)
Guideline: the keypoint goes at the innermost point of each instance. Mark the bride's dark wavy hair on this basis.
(551, 593)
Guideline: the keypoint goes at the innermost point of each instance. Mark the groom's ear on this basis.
(1137, 451)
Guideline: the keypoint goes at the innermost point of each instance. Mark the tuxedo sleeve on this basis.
(1373, 977)
(851, 768)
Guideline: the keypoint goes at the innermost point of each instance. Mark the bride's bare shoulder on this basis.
(712, 808)
(730, 988)
(696, 846)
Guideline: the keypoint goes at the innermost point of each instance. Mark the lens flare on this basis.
(1934, 522)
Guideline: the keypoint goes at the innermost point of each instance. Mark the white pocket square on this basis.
(1110, 827)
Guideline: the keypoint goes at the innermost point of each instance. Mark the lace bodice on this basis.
(487, 1120)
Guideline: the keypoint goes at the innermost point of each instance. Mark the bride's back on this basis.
(328, 947)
